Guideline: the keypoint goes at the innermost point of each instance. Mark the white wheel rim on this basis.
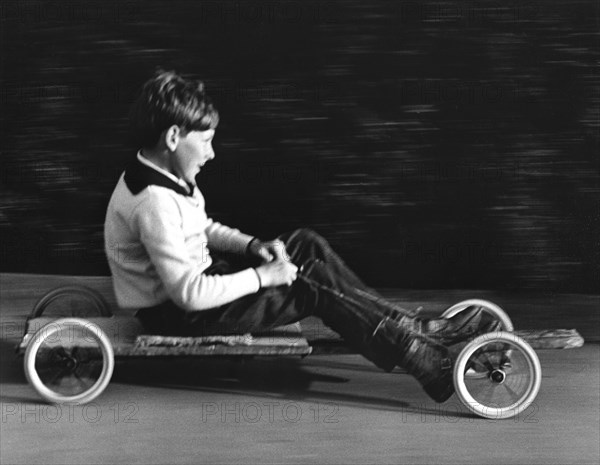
(525, 399)
(48, 331)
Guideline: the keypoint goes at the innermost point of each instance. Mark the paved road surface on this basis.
(322, 409)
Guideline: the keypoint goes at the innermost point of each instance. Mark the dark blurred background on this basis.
(436, 144)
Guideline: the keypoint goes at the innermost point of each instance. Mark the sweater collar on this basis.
(142, 173)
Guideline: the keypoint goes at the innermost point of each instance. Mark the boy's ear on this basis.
(172, 137)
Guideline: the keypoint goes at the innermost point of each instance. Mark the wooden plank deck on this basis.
(129, 340)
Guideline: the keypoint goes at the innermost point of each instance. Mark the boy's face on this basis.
(192, 151)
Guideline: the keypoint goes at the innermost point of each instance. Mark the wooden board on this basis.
(284, 340)
(128, 339)
(552, 338)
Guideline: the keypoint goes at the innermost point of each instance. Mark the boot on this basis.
(461, 328)
(428, 361)
(427, 349)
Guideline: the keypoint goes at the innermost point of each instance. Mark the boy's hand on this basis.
(277, 273)
(269, 251)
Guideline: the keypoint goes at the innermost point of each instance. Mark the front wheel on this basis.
(69, 360)
(513, 375)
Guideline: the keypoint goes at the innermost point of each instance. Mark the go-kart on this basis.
(72, 338)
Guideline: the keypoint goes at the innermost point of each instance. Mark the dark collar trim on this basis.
(139, 176)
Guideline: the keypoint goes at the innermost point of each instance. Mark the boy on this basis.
(163, 253)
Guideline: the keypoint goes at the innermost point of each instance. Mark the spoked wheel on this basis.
(69, 360)
(71, 301)
(487, 306)
(512, 375)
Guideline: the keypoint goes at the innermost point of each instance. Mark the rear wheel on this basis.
(71, 301)
(69, 360)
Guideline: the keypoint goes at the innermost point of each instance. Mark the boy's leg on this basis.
(304, 244)
(280, 305)
(325, 288)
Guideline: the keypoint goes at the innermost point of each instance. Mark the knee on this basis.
(305, 243)
(315, 269)
(307, 234)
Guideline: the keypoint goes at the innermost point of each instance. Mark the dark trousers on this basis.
(325, 288)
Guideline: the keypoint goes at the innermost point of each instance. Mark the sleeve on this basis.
(226, 239)
(160, 228)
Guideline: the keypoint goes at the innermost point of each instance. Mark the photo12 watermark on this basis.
(269, 412)
(42, 12)
(93, 412)
(464, 13)
(457, 412)
(290, 12)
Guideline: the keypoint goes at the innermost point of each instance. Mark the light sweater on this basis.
(157, 235)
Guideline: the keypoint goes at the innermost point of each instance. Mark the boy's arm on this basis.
(159, 223)
(226, 239)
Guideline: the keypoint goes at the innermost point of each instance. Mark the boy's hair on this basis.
(169, 99)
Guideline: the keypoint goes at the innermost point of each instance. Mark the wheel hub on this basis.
(498, 376)
(71, 363)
